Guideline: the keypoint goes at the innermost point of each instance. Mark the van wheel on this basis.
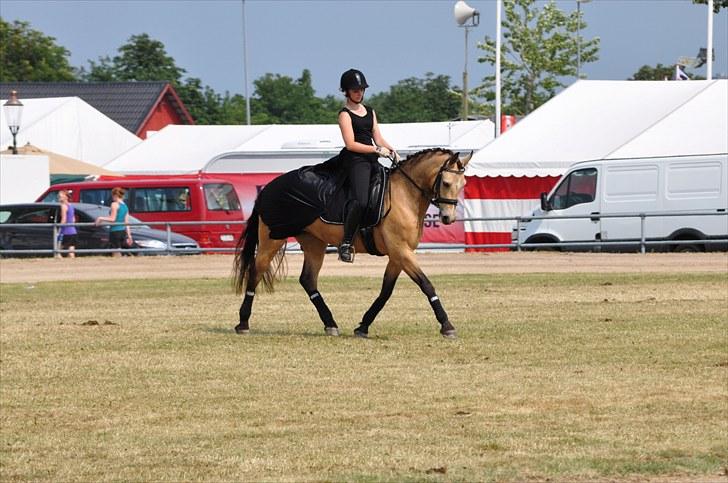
(542, 249)
(689, 248)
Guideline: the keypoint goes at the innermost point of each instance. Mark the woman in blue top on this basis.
(363, 145)
(68, 234)
(119, 214)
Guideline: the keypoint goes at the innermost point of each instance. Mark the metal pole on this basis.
(709, 71)
(169, 238)
(578, 38)
(245, 68)
(642, 233)
(498, 4)
(465, 79)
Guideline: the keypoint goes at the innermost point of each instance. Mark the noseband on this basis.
(436, 199)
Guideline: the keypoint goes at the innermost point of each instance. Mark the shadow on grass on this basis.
(278, 333)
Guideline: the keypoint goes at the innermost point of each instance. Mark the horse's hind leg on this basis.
(267, 249)
(390, 278)
(313, 258)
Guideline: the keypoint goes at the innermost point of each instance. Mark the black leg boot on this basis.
(351, 223)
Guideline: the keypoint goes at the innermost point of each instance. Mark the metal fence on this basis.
(642, 243)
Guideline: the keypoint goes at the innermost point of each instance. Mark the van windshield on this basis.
(221, 196)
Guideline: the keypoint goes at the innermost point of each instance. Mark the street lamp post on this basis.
(578, 37)
(13, 112)
(464, 13)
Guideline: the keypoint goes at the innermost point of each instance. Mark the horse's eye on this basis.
(446, 184)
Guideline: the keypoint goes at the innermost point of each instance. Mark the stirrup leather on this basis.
(346, 253)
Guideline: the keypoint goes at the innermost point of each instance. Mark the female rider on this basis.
(363, 145)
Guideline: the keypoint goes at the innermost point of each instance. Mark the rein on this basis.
(436, 199)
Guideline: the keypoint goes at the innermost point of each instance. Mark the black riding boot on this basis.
(351, 223)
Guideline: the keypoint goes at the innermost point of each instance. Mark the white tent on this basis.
(278, 148)
(590, 120)
(70, 127)
(181, 149)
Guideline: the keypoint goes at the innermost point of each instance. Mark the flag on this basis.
(680, 74)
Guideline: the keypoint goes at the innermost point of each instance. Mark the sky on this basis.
(389, 40)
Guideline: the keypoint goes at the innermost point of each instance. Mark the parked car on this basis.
(89, 237)
(182, 198)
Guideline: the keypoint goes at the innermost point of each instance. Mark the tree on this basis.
(659, 72)
(538, 52)
(281, 100)
(29, 55)
(418, 100)
(717, 4)
(140, 59)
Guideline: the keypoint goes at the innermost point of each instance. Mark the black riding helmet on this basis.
(353, 79)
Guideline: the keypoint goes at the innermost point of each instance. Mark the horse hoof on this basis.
(332, 331)
(450, 334)
(242, 331)
(360, 334)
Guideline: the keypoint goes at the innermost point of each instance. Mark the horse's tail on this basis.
(244, 267)
(245, 252)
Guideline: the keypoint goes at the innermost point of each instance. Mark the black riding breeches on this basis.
(358, 169)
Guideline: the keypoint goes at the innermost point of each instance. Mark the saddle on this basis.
(295, 199)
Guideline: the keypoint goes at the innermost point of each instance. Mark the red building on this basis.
(140, 107)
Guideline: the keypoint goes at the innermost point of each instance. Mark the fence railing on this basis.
(642, 242)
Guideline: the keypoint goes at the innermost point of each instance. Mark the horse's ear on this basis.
(464, 161)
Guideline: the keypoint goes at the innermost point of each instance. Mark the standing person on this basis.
(68, 233)
(363, 145)
(119, 214)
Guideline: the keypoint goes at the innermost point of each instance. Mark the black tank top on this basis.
(362, 125)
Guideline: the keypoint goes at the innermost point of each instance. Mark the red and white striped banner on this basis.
(499, 197)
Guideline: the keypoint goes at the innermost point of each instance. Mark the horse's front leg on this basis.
(390, 279)
(313, 258)
(412, 268)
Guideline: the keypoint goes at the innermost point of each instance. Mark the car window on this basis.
(32, 214)
(50, 197)
(4, 216)
(577, 188)
(96, 196)
(221, 196)
(174, 198)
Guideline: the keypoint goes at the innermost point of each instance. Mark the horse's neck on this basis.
(418, 187)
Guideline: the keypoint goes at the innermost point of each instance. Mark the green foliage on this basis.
(418, 100)
(539, 50)
(659, 72)
(140, 59)
(281, 100)
(717, 4)
(29, 55)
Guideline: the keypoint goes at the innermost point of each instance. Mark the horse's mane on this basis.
(413, 159)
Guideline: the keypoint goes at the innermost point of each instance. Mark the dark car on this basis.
(89, 237)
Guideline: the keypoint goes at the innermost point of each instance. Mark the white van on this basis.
(652, 186)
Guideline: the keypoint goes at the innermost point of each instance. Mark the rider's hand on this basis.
(395, 157)
(383, 152)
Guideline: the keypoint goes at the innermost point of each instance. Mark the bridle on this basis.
(436, 199)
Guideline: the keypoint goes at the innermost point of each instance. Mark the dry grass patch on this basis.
(571, 377)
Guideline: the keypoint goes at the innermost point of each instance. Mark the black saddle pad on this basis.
(295, 199)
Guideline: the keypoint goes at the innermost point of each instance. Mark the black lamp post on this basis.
(13, 112)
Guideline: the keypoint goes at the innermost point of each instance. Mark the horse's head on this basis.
(443, 172)
(448, 183)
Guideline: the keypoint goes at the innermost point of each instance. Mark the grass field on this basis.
(554, 376)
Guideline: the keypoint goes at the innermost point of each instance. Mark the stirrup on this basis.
(346, 253)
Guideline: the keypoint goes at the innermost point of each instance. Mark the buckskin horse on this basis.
(430, 176)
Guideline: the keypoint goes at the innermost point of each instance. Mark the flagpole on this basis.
(709, 72)
(498, 68)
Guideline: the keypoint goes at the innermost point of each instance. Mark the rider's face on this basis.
(356, 95)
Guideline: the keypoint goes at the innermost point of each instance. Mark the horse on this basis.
(433, 175)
